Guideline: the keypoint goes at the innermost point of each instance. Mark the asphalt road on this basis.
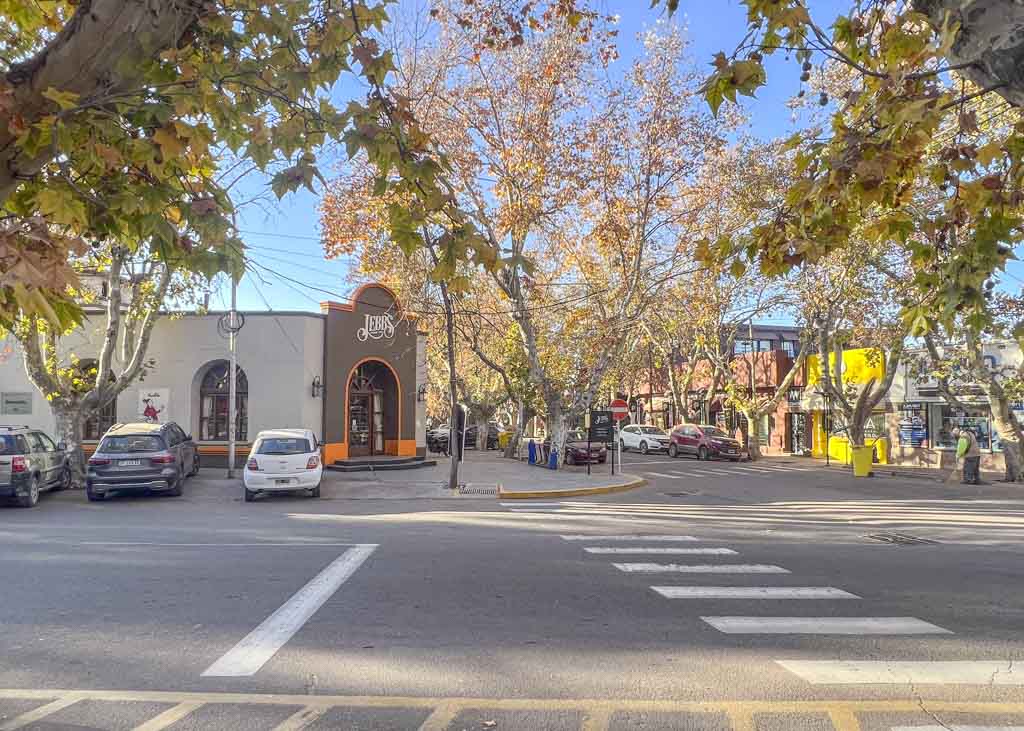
(774, 607)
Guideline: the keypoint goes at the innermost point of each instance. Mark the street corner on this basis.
(629, 482)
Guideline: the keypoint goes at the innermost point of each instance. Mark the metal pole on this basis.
(587, 424)
(232, 378)
(618, 446)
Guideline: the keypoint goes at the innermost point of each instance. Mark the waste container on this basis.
(553, 460)
(503, 439)
(531, 450)
(862, 457)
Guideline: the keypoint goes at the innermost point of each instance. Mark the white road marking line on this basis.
(906, 672)
(662, 474)
(167, 718)
(736, 568)
(824, 626)
(661, 550)
(218, 545)
(39, 713)
(753, 592)
(256, 648)
(534, 510)
(302, 718)
(637, 537)
(958, 728)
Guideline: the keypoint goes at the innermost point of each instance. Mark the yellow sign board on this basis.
(860, 365)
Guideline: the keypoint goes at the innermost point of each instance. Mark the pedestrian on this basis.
(968, 450)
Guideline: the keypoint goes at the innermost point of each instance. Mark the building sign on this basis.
(601, 426)
(153, 404)
(913, 424)
(16, 403)
(376, 327)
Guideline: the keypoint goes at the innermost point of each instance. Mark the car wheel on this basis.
(176, 490)
(643, 448)
(249, 495)
(94, 497)
(315, 492)
(673, 450)
(703, 454)
(65, 479)
(569, 459)
(30, 500)
(195, 465)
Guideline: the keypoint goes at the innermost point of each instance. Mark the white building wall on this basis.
(279, 353)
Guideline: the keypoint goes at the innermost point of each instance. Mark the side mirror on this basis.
(188, 437)
(62, 446)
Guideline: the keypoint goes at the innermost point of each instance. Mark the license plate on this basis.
(730, 451)
(281, 482)
(130, 462)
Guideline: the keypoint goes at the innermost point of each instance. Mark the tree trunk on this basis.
(1010, 437)
(70, 423)
(481, 433)
(517, 434)
(753, 434)
(557, 430)
(82, 59)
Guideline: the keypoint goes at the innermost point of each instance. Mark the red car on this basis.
(704, 442)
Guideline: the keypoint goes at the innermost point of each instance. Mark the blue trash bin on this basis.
(532, 452)
(553, 460)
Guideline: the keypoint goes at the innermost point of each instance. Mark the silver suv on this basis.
(141, 458)
(30, 462)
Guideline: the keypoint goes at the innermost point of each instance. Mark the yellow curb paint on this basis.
(441, 718)
(570, 492)
(301, 718)
(842, 712)
(168, 717)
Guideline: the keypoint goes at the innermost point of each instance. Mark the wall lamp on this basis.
(318, 387)
(421, 392)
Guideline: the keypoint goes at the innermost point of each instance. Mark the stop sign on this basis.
(619, 409)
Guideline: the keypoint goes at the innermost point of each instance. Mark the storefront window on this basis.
(213, 404)
(913, 425)
(974, 418)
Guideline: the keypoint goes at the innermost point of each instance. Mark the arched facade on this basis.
(370, 377)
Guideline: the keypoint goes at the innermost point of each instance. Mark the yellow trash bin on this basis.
(504, 438)
(862, 461)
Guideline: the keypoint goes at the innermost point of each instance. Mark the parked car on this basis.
(283, 460)
(576, 449)
(643, 437)
(141, 458)
(30, 463)
(437, 438)
(704, 442)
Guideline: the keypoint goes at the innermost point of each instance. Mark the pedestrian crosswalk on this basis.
(755, 595)
(688, 469)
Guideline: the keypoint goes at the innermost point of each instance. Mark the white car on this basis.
(643, 437)
(282, 460)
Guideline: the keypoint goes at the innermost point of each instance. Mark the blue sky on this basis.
(286, 239)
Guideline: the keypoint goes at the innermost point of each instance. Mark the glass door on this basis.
(359, 425)
(378, 422)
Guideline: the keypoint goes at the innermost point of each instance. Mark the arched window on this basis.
(104, 418)
(213, 403)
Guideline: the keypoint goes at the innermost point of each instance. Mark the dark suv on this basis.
(141, 458)
(29, 463)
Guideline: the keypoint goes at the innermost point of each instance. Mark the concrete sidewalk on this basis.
(481, 474)
(935, 474)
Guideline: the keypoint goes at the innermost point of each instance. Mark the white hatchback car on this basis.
(282, 460)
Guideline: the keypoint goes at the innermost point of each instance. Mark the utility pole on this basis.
(750, 373)
(232, 378)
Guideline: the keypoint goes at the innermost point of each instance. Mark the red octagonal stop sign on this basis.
(619, 409)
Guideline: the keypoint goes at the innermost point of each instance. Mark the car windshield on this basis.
(652, 430)
(9, 444)
(711, 431)
(131, 443)
(283, 445)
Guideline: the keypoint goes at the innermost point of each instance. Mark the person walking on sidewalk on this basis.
(968, 450)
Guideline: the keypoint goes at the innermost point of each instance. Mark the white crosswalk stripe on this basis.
(661, 550)
(662, 474)
(670, 568)
(824, 626)
(753, 592)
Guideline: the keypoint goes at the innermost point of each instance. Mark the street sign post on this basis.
(620, 410)
(599, 429)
